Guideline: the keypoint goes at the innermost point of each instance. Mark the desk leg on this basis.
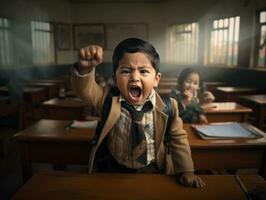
(26, 162)
(245, 117)
(260, 117)
(262, 170)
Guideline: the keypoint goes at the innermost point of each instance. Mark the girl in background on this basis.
(189, 95)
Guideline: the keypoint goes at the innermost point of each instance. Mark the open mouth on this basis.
(135, 91)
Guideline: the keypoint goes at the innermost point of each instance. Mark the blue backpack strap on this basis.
(168, 109)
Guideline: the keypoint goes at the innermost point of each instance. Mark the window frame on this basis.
(257, 38)
(53, 24)
(195, 37)
(208, 38)
(9, 54)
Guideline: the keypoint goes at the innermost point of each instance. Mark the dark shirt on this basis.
(190, 113)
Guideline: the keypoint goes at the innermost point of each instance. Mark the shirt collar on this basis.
(150, 98)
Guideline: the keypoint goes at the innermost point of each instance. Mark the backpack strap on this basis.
(168, 109)
(105, 113)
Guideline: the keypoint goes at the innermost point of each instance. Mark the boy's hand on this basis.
(89, 57)
(190, 179)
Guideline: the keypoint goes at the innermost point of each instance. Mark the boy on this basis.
(132, 138)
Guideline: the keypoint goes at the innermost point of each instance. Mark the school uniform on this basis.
(179, 160)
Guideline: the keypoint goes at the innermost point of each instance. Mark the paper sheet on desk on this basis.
(84, 124)
(229, 130)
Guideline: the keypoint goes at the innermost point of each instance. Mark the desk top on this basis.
(50, 81)
(196, 142)
(70, 93)
(59, 185)
(224, 107)
(54, 130)
(238, 89)
(42, 84)
(68, 102)
(26, 89)
(260, 99)
(163, 91)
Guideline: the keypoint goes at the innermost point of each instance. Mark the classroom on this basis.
(47, 130)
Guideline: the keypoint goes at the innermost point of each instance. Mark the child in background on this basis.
(136, 73)
(189, 104)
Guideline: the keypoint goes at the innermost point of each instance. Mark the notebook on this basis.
(228, 130)
(82, 124)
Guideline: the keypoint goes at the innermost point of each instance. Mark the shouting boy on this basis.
(131, 140)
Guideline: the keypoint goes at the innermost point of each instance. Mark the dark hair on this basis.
(183, 76)
(134, 45)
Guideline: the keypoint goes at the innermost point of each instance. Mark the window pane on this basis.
(262, 50)
(223, 49)
(261, 61)
(42, 42)
(262, 16)
(5, 42)
(182, 44)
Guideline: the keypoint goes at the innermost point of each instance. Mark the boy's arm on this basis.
(180, 150)
(83, 76)
(181, 153)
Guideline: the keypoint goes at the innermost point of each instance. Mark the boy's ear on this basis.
(157, 79)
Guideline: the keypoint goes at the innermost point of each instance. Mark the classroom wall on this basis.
(157, 14)
(22, 12)
(161, 14)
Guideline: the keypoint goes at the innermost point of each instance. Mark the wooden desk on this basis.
(167, 84)
(70, 93)
(65, 109)
(50, 87)
(163, 91)
(32, 98)
(15, 110)
(48, 141)
(232, 93)
(227, 154)
(212, 85)
(60, 83)
(58, 185)
(4, 99)
(226, 112)
(258, 105)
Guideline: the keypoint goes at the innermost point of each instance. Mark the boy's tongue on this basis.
(135, 92)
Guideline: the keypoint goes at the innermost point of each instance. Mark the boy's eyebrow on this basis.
(129, 67)
(124, 67)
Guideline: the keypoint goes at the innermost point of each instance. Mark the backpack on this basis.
(168, 110)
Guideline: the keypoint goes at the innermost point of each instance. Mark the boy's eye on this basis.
(125, 71)
(144, 71)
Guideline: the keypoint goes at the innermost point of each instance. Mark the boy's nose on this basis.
(134, 76)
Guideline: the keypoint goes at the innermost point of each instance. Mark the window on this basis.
(262, 40)
(42, 42)
(5, 42)
(182, 43)
(223, 45)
